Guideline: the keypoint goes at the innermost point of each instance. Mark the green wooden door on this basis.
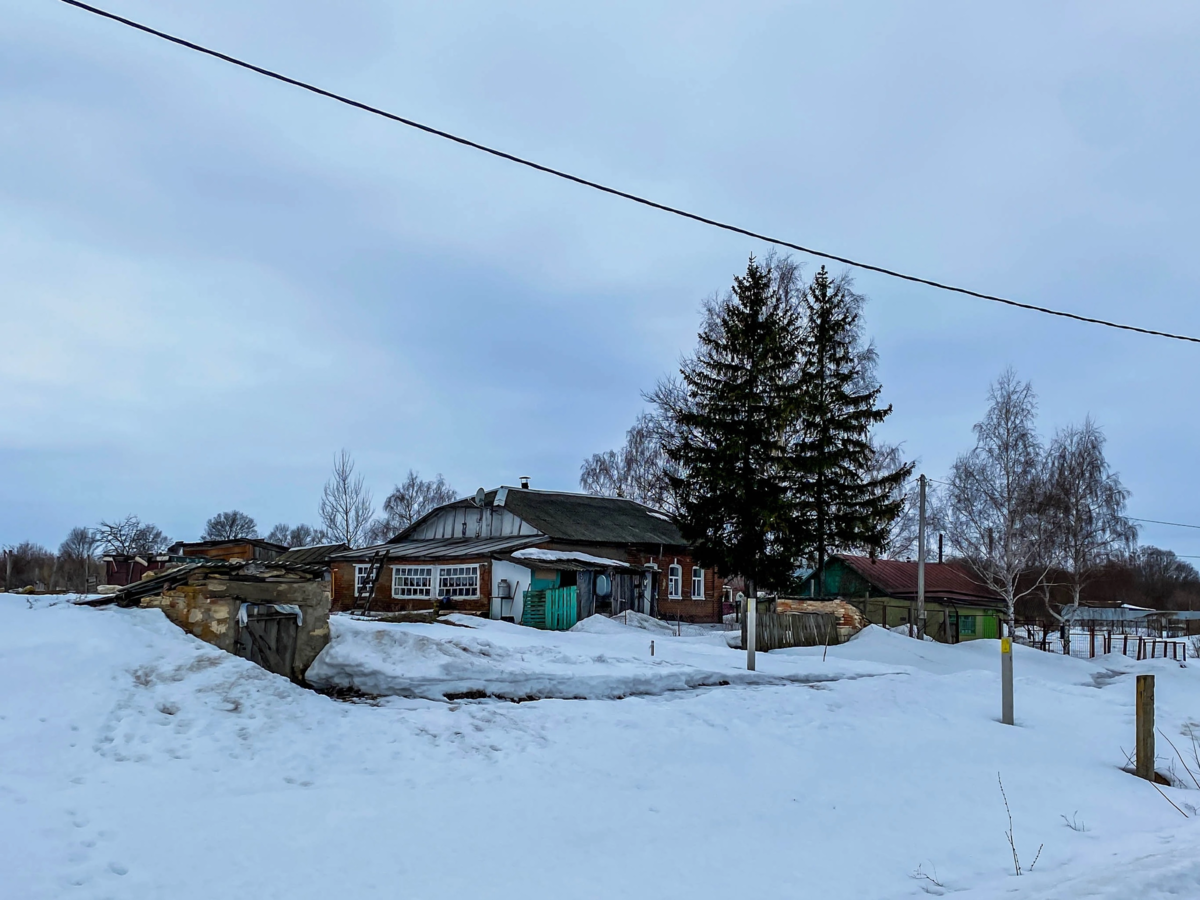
(989, 626)
(553, 610)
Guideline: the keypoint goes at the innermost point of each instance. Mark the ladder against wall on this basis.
(364, 591)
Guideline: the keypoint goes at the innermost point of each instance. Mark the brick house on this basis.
(492, 553)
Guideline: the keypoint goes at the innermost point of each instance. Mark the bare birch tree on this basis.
(346, 505)
(408, 501)
(1084, 510)
(638, 471)
(296, 535)
(902, 540)
(993, 495)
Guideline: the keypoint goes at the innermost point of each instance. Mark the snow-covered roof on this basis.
(539, 555)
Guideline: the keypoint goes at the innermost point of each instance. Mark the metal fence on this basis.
(1090, 644)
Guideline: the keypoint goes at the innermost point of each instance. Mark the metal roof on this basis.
(898, 578)
(317, 553)
(254, 542)
(444, 548)
(587, 518)
(1111, 614)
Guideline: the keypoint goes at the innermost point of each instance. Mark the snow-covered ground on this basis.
(602, 659)
(137, 762)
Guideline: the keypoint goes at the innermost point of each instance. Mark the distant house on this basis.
(121, 569)
(957, 608)
(127, 568)
(543, 558)
(233, 548)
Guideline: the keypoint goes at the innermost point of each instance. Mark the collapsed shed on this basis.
(275, 614)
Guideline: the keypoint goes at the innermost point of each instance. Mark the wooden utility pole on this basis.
(751, 629)
(1145, 727)
(921, 565)
(1006, 681)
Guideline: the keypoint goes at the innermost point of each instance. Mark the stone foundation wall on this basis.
(209, 608)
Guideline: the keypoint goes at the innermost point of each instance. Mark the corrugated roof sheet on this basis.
(447, 548)
(318, 553)
(899, 579)
(254, 542)
(160, 581)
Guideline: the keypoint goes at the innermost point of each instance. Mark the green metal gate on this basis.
(555, 609)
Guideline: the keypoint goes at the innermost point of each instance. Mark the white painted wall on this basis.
(519, 577)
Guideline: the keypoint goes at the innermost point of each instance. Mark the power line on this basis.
(1157, 522)
(558, 173)
(1132, 518)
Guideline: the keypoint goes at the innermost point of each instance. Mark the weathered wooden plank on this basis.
(1145, 727)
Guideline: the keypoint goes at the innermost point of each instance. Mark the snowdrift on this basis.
(599, 659)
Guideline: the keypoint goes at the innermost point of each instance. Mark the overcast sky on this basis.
(211, 282)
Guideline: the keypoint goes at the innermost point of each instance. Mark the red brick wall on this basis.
(383, 601)
(707, 609)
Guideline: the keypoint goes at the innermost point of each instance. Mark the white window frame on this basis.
(361, 570)
(697, 575)
(675, 582)
(457, 591)
(406, 582)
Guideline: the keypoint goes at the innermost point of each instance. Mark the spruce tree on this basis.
(846, 504)
(732, 428)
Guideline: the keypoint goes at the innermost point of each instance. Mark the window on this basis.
(697, 583)
(458, 581)
(360, 579)
(675, 582)
(966, 624)
(412, 582)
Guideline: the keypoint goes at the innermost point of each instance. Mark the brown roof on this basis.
(577, 518)
(898, 578)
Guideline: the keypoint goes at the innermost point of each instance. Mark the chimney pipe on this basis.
(940, 536)
(525, 482)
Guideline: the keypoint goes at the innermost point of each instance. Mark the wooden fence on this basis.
(775, 631)
(555, 609)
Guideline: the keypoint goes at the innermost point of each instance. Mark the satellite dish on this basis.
(480, 497)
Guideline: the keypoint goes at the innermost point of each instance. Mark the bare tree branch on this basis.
(228, 526)
(993, 499)
(346, 505)
(407, 502)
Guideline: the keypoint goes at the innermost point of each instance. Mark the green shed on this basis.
(957, 608)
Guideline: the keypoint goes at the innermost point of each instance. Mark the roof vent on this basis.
(501, 497)
(524, 482)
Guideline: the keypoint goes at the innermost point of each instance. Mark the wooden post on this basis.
(1006, 681)
(1145, 727)
(751, 629)
(921, 565)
